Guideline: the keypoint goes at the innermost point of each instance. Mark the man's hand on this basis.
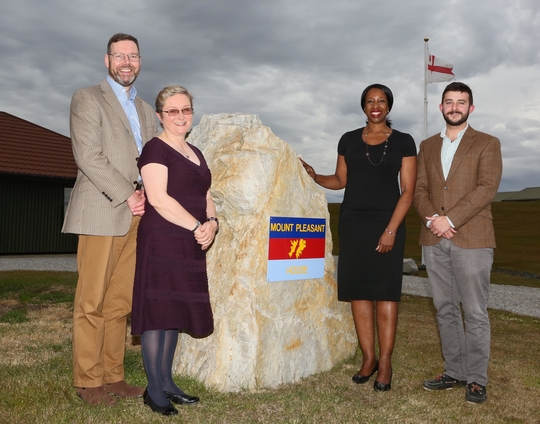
(136, 203)
(441, 227)
(449, 234)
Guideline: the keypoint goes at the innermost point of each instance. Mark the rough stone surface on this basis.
(409, 266)
(266, 334)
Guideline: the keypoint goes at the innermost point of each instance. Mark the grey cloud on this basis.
(301, 66)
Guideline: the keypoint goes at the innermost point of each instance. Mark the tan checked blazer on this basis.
(466, 195)
(106, 153)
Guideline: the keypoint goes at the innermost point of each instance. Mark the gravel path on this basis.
(515, 299)
(39, 263)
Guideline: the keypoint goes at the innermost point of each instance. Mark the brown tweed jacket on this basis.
(466, 195)
(106, 153)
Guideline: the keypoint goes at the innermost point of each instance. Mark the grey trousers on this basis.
(461, 276)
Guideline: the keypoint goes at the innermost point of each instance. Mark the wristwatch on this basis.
(197, 225)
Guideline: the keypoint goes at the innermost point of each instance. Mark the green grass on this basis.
(38, 287)
(518, 235)
(35, 364)
(516, 230)
(15, 316)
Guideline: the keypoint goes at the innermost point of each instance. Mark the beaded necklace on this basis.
(384, 152)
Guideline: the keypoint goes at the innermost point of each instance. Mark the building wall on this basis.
(31, 216)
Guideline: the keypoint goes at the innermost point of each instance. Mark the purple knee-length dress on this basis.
(171, 283)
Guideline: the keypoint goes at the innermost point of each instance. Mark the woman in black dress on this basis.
(179, 224)
(372, 227)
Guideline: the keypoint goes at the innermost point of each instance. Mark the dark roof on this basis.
(28, 149)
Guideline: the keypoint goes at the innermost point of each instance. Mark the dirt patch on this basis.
(12, 305)
(45, 336)
(4, 309)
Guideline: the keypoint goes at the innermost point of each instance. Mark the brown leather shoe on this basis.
(123, 390)
(95, 396)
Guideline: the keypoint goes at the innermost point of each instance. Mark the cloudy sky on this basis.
(300, 65)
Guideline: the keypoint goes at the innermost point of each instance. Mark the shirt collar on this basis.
(120, 91)
(445, 137)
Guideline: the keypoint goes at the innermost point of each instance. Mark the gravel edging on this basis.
(516, 299)
(39, 263)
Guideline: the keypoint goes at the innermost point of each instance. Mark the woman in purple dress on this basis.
(179, 224)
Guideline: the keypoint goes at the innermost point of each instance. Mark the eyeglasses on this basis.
(132, 57)
(185, 111)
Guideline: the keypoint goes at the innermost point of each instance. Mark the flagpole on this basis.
(426, 61)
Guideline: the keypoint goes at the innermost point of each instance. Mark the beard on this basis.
(120, 80)
(456, 123)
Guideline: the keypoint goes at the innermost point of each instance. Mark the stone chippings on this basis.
(39, 263)
(516, 299)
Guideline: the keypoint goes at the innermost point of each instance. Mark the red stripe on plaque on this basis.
(297, 248)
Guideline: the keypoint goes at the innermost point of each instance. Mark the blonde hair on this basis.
(168, 92)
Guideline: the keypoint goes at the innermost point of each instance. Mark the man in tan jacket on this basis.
(459, 171)
(109, 125)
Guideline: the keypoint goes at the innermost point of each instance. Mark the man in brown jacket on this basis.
(459, 171)
(109, 125)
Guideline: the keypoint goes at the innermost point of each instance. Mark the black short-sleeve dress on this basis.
(371, 195)
(171, 283)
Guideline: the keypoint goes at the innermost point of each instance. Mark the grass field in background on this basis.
(517, 231)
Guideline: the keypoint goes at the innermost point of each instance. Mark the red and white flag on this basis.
(439, 70)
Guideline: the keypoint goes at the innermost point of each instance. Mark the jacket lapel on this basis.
(142, 121)
(437, 147)
(110, 97)
(464, 146)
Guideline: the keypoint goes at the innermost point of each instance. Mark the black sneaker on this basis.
(443, 382)
(476, 393)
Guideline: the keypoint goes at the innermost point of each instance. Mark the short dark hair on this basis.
(389, 98)
(458, 86)
(387, 92)
(121, 37)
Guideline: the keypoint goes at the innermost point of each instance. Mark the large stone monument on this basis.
(266, 333)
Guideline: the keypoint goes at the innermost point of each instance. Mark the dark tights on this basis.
(158, 348)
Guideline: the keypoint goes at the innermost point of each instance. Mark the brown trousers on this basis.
(102, 303)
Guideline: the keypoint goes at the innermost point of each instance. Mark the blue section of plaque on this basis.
(287, 227)
(298, 269)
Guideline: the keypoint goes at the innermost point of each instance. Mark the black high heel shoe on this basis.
(163, 410)
(361, 379)
(381, 387)
(181, 399)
